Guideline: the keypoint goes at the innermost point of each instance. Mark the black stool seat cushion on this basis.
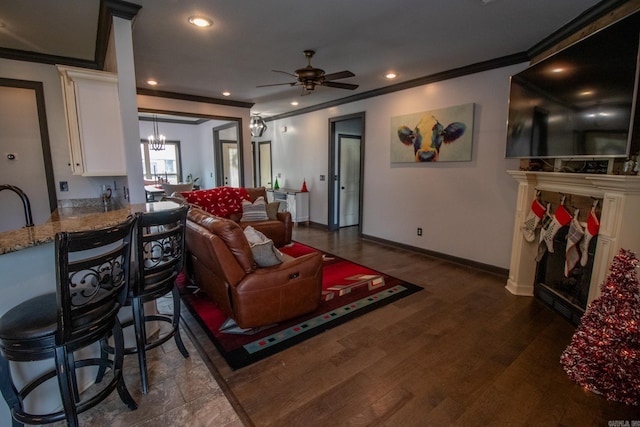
(34, 319)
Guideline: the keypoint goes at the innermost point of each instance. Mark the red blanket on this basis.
(219, 201)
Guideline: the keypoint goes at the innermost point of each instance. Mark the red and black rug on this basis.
(349, 290)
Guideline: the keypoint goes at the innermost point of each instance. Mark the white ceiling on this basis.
(249, 38)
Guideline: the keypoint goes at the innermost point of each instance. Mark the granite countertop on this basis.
(72, 219)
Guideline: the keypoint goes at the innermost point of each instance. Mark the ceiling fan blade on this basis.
(339, 75)
(340, 85)
(279, 84)
(285, 72)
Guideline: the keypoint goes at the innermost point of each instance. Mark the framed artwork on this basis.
(443, 135)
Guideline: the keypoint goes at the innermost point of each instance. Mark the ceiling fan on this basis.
(309, 77)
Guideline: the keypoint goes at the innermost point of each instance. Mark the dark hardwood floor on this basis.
(462, 352)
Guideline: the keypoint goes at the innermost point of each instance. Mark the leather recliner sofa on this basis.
(221, 263)
(213, 200)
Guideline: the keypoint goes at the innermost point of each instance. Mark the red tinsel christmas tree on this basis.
(604, 354)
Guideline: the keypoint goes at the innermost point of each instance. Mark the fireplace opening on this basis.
(567, 296)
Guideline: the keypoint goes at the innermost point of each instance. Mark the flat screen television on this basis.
(580, 102)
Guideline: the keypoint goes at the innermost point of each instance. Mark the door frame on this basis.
(333, 203)
(217, 152)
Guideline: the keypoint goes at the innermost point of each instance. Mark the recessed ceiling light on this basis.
(226, 93)
(390, 75)
(152, 82)
(294, 103)
(200, 21)
(557, 70)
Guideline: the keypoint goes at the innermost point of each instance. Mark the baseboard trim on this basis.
(457, 260)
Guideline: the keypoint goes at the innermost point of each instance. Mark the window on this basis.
(164, 164)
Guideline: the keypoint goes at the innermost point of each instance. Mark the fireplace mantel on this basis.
(619, 221)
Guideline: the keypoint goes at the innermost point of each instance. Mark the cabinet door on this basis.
(100, 125)
(291, 206)
(298, 205)
(94, 122)
(69, 98)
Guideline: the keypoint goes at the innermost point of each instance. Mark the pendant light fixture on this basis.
(156, 141)
(257, 125)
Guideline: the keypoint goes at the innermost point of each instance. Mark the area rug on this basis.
(349, 291)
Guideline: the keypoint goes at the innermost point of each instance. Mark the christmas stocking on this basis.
(593, 226)
(573, 238)
(544, 223)
(561, 217)
(533, 218)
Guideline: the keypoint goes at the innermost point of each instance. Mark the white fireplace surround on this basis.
(619, 221)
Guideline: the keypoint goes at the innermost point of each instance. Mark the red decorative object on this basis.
(304, 186)
(604, 353)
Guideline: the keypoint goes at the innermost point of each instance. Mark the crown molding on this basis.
(193, 98)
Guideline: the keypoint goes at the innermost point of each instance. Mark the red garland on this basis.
(604, 353)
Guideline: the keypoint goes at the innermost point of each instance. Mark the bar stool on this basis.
(159, 259)
(92, 276)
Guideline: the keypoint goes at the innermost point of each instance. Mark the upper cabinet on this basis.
(92, 106)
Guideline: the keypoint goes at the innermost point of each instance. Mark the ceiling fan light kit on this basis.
(309, 77)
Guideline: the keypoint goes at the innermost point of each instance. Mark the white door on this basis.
(230, 169)
(20, 137)
(349, 180)
(264, 162)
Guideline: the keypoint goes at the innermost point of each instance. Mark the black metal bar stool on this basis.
(159, 259)
(92, 275)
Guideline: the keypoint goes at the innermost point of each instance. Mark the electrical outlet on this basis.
(64, 186)
(419, 231)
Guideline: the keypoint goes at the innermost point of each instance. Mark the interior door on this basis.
(230, 170)
(264, 164)
(349, 180)
(26, 156)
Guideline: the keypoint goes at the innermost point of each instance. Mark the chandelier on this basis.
(257, 126)
(156, 141)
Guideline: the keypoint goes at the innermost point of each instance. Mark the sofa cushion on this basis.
(256, 211)
(264, 252)
(255, 192)
(229, 232)
(220, 201)
(272, 210)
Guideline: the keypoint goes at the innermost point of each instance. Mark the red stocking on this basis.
(593, 226)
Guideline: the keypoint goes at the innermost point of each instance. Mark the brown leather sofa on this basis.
(279, 229)
(221, 264)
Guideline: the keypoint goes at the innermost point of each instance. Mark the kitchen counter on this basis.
(72, 219)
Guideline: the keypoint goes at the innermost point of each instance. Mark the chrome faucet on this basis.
(25, 202)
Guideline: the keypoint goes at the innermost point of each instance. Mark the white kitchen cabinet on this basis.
(92, 107)
(294, 201)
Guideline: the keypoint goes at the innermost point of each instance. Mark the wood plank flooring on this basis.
(464, 351)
